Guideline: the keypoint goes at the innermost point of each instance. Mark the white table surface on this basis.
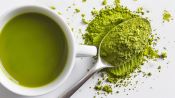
(159, 85)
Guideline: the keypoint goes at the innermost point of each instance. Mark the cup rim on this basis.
(20, 90)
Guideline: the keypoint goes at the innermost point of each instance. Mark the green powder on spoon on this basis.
(125, 44)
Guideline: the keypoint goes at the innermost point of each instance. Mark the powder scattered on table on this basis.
(167, 16)
(83, 15)
(53, 7)
(94, 12)
(59, 13)
(83, 0)
(77, 10)
(85, 21)
(140, 10)
(104, 2)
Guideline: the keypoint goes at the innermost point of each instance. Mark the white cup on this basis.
(74, 50)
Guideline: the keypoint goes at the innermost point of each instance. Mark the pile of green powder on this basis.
(128, 43)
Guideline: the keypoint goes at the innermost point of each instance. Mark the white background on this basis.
(159, 85)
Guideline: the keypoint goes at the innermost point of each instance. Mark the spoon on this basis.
(101, 64)
(140, 25)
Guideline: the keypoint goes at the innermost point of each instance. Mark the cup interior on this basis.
(18, 89)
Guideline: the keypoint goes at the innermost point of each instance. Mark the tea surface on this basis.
(33, 49)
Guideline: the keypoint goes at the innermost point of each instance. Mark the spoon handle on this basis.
(72, 90)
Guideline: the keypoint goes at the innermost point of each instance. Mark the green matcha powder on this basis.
(128, 41)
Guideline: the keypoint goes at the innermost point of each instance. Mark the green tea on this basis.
(33, 49)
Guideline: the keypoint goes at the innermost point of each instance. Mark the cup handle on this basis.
(86, 51)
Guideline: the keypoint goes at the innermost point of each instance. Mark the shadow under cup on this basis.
(35, 54)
